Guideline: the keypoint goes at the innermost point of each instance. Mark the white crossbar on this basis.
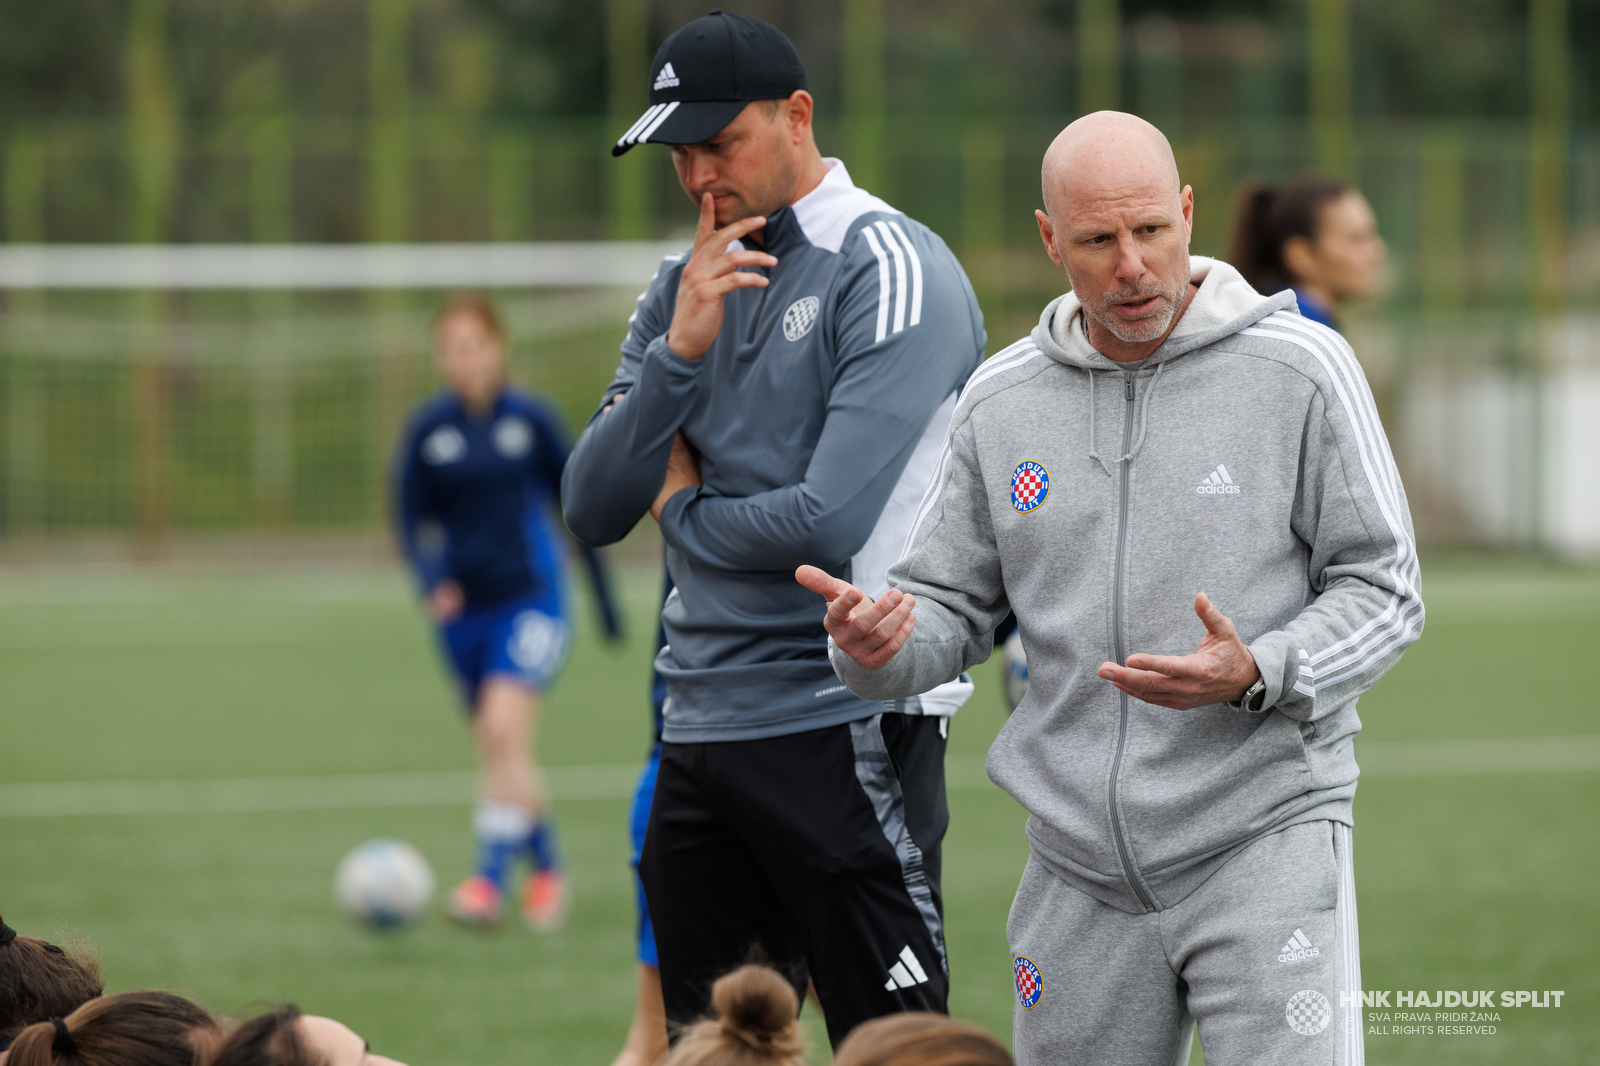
(543, 264)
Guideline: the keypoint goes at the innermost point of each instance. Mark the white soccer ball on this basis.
(1014, 670)
(384, 884)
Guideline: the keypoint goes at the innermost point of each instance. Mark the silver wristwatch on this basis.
(1253, 697)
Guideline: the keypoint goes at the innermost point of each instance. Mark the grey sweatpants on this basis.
(1257, 956)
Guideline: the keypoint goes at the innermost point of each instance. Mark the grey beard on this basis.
(1136, 332)
(1148, 329)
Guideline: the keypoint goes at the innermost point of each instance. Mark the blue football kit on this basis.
(478, 503)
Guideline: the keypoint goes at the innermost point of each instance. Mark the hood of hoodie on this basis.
(1224, 305)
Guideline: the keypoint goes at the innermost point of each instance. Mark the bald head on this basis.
(1106, 155)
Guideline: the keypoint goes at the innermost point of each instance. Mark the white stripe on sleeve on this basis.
(1014, 356)
(899, 276)
(1400, 617)
(916, 275)
(883, 281)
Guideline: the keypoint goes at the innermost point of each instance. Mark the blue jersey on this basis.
(490, 487)
(1310, 307)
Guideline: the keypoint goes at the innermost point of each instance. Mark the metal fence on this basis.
(144, 409)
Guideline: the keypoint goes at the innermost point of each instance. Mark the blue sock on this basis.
(542, 844)
(501, 830)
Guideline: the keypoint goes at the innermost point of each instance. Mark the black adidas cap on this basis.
(707, 72)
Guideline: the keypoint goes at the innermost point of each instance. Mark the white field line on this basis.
(443, 788)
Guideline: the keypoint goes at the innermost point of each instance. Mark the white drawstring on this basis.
(1144, 415)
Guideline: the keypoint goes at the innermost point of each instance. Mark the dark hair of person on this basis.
(757, 1023)
(475, 306)
(1269, 217)
(272, 1039)
(40, 981)
(125, 1029)
(920, 1039)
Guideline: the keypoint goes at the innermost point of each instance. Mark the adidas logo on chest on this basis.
(1218, 483)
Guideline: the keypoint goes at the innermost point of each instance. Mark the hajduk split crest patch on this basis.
(1030, 985)
(1030, 484)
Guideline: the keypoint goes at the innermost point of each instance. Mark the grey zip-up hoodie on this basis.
(1244, 459)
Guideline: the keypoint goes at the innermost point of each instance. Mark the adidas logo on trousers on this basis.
(906, 972)
(1298, 947)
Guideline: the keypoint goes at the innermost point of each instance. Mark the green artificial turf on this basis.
(1465, 881)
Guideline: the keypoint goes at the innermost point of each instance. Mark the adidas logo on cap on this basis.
(1218, 483)
(666, 79)
(1298, 947)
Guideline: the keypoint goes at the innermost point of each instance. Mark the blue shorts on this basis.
(520, 639)
(638, 819)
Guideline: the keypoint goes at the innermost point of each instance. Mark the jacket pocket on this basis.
(1197, 785)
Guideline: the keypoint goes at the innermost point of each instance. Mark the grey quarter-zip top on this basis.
(1250, 464)
(818, 415)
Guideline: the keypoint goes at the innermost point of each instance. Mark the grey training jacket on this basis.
(819, 414)
(1243, 459)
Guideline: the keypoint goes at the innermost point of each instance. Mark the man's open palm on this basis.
(1219, 672)
(869, 631)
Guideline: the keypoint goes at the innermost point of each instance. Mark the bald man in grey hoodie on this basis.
(1164, 430)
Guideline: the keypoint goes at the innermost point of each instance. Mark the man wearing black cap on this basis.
(783, 398)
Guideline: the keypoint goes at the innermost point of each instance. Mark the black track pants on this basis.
(816, 853)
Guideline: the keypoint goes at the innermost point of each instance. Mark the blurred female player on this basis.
(479, 475)
(1316, 236)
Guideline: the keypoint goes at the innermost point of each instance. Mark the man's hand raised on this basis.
(711, 274)
(1219, 672)
(869, 631)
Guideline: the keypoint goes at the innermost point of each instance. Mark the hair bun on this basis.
(759, 1008)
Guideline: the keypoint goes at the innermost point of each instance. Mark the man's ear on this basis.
(1047, 234)
(797, 112)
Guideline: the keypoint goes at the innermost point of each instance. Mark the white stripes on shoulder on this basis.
(887, 239)
(1005, 359)
(1401, 616)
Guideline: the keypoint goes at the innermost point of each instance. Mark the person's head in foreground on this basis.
(756, 1024)
(1118, 220)
(1316, 236)
(125, 1029)
(918, 1038)
(729, 94)
(469, 348)
(40, 980)
(285, 1037)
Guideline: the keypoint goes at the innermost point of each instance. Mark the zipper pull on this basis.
(1127, 387)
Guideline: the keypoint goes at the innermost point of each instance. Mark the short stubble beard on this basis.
(1144, 330)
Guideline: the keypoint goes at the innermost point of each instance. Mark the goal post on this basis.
(149, 391)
